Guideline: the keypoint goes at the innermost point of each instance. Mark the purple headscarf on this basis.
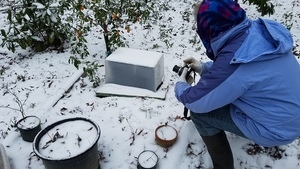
(216, 16)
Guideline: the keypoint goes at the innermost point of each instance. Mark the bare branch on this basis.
(10, 108)
(17, 100)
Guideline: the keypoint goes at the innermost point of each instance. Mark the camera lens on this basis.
(176, 69)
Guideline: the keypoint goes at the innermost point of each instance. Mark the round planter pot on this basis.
(147, 159)
(165, 135)
(69, 143)
(29, 127)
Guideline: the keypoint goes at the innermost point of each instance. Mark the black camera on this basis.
(177, 69)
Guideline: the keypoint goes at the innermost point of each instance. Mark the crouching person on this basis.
(249, 88)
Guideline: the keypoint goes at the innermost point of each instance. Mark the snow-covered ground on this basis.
(127, 123)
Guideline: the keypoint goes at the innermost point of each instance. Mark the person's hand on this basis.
(182, 77)
(194, 64)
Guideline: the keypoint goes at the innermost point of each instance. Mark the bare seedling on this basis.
(17, 100)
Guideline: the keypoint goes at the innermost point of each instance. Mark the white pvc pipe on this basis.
(59, 93)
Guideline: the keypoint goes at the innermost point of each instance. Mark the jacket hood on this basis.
(218, 42)
(266, 39)
(215, 17)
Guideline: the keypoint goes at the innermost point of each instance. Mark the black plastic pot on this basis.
(89, 159)
(30, 130)
(147, 159)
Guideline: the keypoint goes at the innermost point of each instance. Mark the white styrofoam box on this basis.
(135, 68)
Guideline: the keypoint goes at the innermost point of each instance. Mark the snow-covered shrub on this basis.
(37, 25)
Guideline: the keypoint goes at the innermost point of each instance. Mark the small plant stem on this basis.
(104, 27)
(9, 108)
(18, 101)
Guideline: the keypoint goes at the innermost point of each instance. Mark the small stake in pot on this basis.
(147, 159)
(165, 135)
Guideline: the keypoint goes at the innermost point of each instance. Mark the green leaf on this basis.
(22, 44)
(3, 33)
(77, 63)
(51, 37)
(13, 49)
(9, 16)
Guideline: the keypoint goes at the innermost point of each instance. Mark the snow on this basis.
(135, 57)
(127, 123)
(38, 5)
(28, 122)
(147, 159)
(67, 139)
(166, 132)
(120, 90)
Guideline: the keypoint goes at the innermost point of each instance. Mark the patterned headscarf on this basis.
(216, 16)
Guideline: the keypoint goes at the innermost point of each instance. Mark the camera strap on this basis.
(186, 110)
(185, 113)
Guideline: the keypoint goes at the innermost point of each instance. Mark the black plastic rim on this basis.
(139, 166)
(44, 131)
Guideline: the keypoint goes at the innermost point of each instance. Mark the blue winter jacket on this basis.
(256, 73)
